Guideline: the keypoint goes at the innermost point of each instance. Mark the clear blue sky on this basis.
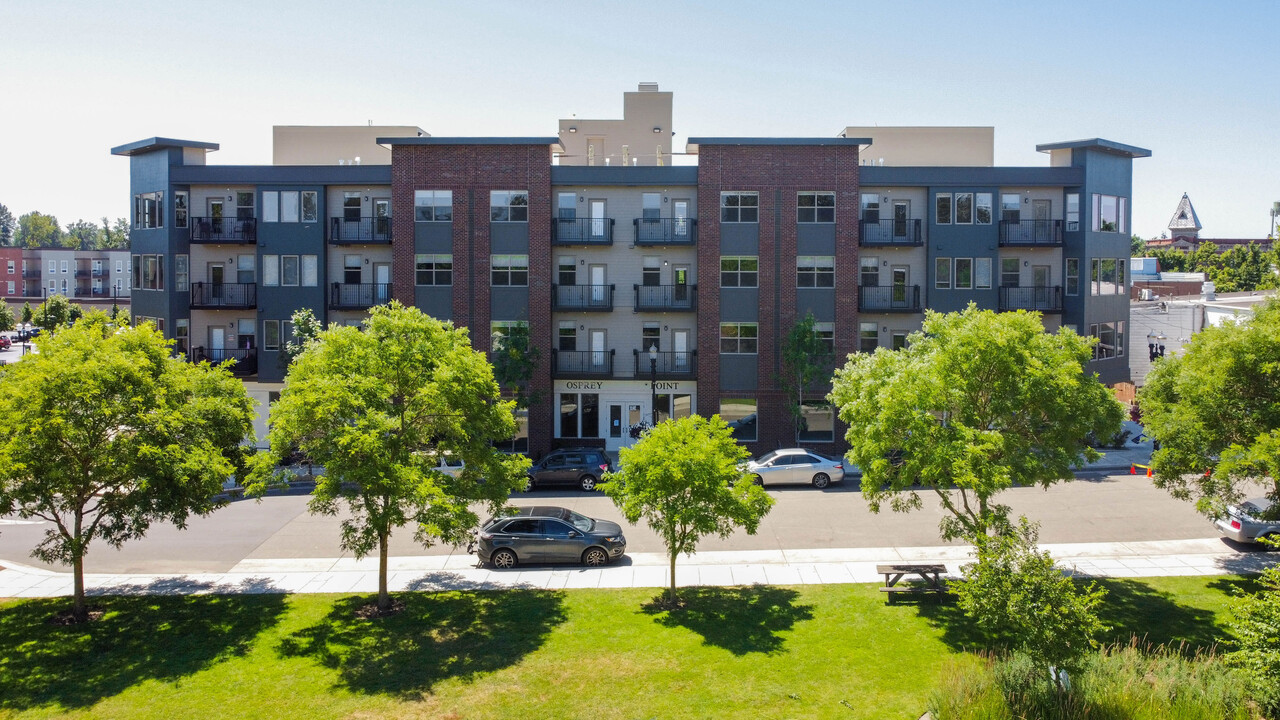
(1196, 83)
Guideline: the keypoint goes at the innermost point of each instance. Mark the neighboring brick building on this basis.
(649, 289)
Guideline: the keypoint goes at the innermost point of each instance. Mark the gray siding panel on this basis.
(815, 239)
(434, 301)
(739, 304)
(509, 238)
(819, 301)
(509, 303)
(739, 372)
(433, 237)
(739, 239)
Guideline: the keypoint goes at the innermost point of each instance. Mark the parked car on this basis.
(5, 342)
(449, 465)
(1244, 523)
(581, 467)
(744, 428)
(546, 534)
(795, 465)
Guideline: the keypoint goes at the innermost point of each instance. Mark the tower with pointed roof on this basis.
(1185, 225)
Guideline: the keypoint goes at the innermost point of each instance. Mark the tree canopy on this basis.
(56, 312)
(103, 434)
(977, 401)
(7, 226)
(1215, 409)
(376, 407)
(682, 478)
(37, 230)
(806, 362)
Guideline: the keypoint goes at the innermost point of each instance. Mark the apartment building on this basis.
(653, 284)
(87, 276)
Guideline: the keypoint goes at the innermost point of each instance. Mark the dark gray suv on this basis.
(548, 535)
(579, 467)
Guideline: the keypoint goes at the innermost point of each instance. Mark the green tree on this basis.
(114, 236)
(7, 319)
(1021, 600)
(977, 400)
(806, 360)
(1170, 260)
(682, 478)
(375, 407)
(36, 230)
(514, 359)
(306, 329)
(1137, 246)
(104, 434)
(1214, 410)
(56, 312)
(27, 312)
(7, 226)
(83, 235)
(1255, 624)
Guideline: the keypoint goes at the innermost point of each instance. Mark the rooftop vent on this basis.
(648, 87)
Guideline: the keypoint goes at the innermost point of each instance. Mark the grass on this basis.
(756, 652)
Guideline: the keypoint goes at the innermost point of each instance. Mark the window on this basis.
(982, 273)
(270, 206)
(53, 266)
(1108, 213)
(1110, 339)
(651, 206)
(64, 267)
(567, 338)
(739, 207)
(310, 206)
(148, 272)
(1073, 276)
(650, 337)
(942, 208)
(500, 330)
(567, 270)
(1108, 276)
(1073, 212)
(271, 270)
(181, 336)
(1010, 275)
(816, 207)
(982, 208)
(898, 340)
(1011, 207)
(10, 287)
(570, 404)
(244, 206)
(964, 208)
(11, 267)
(741, 271)
(825, 333)
(740, 414)
(289, 209)
(738, 338)
(148, 210)
(119, 269)
(817, 423)
(351, 206)
(310, 270)
(510, 270)
(815, 271)
(870, 275)
(181, 273)
(868, 337)
(964, 274)
(433, 270)
(651, 271)
(433, 205)
(270, 334)
(942, 273)
(509, 206)
(871, 207)
(289, 270)
(180, 209)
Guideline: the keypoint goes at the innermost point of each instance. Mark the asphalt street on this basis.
(1115, 508)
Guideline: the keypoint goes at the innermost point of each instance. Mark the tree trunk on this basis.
(671, 593)
(384, 600)
(79, 610)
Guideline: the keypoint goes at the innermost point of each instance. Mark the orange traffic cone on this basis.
(1148, 471)
(1133, 469)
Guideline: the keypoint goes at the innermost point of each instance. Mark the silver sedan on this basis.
(795, 465)
(1244, 522)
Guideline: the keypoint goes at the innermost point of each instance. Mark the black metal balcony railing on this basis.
(665, 231)
(891, 232)
(582, 231)
(358, 296)
(245, 359)
(582, 363)
(224, 295)
(1044, 299)
(668, 365)
(101, 292)
(29, 273)
(223, 230)
(592, 298)
(82, 273)
(363, 230)
(665, 298)
(99, 272)
(889, 298)
(1033, 233)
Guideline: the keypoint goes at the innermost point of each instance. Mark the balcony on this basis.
(360, 231)
(889, 298)
(1046, 299)
(666, 298)
(245, 359)
(102, 293)
(891, 233)
(582, 364)
(358, 296)
(669, 366)
(82, 272)
(1031, 233)
(224, 230)
(29, 274)
(215, 296)
(582, 298)
(665, 231)
(582, 231)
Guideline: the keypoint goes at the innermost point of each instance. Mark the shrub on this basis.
(1255, 622)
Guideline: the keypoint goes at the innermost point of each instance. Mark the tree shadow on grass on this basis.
(739, 619)
(458, 634)
(137, 639)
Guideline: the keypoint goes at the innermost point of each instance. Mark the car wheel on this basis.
(504, 559)
(821, 480)
(595, 557)
(587, 483)
(759, 481)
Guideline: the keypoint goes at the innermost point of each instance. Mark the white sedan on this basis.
(795, 465)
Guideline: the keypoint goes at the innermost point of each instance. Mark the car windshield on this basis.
(582, 522)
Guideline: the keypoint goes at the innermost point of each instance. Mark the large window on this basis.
(290, 276)
(942, 273)
(816, 207)
(270, 334)
(510, 270)
(433, 205)
(1108, 213)
(509, 206)
(738, 338)
(579, 415)
(433, 269)
(289, 206)
(270, 270)
(825, 334)
(942, 208)
(288, 270)
(739, 207)
(982, 273)
(1110, 339)
(964, 274)
(817, 423)
(1010, 275)
(868, 337)
(1107, 276)
(982, 208)
(500, 330)
(180, 208)
(816, 271)
(567, 337)
(962, 208)
(1073, 212)
(870, 272)
(1073, 276)
(148, 210)
(148, 272)
(244, 206)
(181, 273)
(740, 414)
(1010, 207)
(871, 207)
(567, 270)
(740, 271)
(181, 336)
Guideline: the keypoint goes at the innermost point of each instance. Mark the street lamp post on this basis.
(653, 381)
(1155, 345)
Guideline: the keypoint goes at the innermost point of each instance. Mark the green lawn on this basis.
(761, 652)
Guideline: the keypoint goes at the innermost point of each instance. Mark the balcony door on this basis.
(217, 341)
(901, 214)
(597, 275)
(680, 279)
(216, 278)
(1043, 230)
(382, 286)
(901, 275)
(382, 218)
(680, 211)
(680, 345)
(598, 221)
(215, 217)
(1040, 281)
(599, 355)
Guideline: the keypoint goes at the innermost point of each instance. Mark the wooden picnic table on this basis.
(929, 574)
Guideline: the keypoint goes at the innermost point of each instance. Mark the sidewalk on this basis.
(780, 567)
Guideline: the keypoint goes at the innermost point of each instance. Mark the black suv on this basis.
(581, 467)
